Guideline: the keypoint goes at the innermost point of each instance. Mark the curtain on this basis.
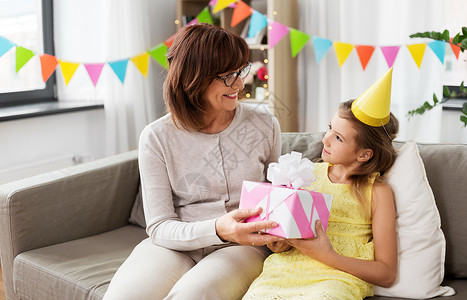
(323, 85)
(89, 31)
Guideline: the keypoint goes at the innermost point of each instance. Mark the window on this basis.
(28, 24)
(455, 68)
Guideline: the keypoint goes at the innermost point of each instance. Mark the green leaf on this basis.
(464, 120)
(455, 40)
(464, 31)
(446, 35)
(464, 108)
(435, 99)
(463, 45)
(453, 94)
(446, 91)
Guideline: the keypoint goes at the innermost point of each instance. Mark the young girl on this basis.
(359, 248)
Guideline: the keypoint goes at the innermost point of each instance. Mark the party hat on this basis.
(373, 106)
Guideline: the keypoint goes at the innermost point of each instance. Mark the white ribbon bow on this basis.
(292, 171)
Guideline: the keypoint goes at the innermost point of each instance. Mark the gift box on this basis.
(295, 210)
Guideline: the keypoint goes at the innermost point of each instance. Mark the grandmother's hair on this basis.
(378, 139)
(199, 53)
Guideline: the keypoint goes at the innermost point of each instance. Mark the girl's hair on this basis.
(378, 139)
(199, 53)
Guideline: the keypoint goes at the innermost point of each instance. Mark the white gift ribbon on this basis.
(292, 171)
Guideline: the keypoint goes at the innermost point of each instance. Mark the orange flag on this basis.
(48, 65)
(241, 12)
(455, 48)
(364, 53)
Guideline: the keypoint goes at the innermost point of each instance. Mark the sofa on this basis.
(65, 233)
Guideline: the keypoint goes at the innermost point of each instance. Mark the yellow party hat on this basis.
(373, 106)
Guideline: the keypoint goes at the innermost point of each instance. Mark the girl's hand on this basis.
(319, 248)
(231, 227)
(280, 246)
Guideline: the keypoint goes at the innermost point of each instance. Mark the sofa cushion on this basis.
(446, 168)
(307, 143)
(137, 212)
(79, 269)
(421, 243)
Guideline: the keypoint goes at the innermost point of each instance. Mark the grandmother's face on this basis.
(222, 98)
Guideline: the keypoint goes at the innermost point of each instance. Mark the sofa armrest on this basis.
(65, 205)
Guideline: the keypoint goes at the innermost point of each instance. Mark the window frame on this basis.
(48, 93)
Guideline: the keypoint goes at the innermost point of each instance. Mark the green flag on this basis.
(204, 16)
(159, 53)
(298, 39)
(23, 55)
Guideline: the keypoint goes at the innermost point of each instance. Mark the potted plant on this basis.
(460, 40)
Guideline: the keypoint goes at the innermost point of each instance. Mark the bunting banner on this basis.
(257, 22)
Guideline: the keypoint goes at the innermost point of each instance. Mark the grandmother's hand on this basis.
(232, 227)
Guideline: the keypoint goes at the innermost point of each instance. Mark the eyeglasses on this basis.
(230, 79)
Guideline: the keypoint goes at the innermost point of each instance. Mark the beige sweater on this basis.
(190, 178)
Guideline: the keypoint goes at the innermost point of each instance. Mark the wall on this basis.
(453, 130)
(55, 139)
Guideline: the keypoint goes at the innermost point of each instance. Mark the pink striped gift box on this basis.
(295, 210)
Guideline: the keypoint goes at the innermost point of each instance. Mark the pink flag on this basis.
(390, 53)
(94, 71)
(276, 33)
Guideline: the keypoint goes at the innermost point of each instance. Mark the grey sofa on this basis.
(64, 234)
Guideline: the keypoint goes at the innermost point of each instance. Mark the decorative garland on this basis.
(258, 22)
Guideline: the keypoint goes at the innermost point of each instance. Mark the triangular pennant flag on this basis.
(455, 49)
(5, 46)
(68, 70)
(94, 71)
(23, 55)
(257, 22)
(168, 42)
(439, 48)
(298, 40)
(276, 33)
(204, 16)
(342, 51)
(48, 65)
(390, 54)
(141, 62)
(364, 53)
(159, 53)
(417, 51)
(192, 22)
(221, 4)
(119, 68)
(241, 12)
(321, 47)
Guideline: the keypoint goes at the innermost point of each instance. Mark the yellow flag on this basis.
(417, 51)
(142, 63)
(68, 70)
(221, 4)
(342, 51)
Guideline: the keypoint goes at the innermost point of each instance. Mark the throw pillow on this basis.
(137, 212)
(421, 243)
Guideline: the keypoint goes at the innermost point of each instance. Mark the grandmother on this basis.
(192, 163)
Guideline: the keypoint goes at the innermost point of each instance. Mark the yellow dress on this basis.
(293, 275)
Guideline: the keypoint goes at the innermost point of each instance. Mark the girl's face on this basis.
(340, 146)
(221, 98)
